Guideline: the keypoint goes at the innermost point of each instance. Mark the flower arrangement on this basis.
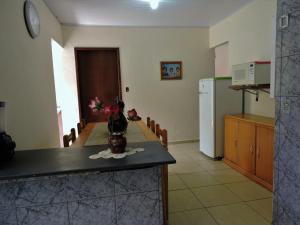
(116, 120)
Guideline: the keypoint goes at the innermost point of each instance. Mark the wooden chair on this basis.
(157, 130)
(81, 126)
(152, 126)
(70, 137)
(148, 122)
(162, 134)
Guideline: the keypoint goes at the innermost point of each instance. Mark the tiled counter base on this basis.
(130, 197)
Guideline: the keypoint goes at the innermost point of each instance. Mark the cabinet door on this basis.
(230, 148)
(264, 153)
(246, 146)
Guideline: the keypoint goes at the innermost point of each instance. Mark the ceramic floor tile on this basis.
(236, 214)
(215, 195)
(187, 167)
(182, 200)
(199, 179)
(213, 165)
(248, 191)
(175, 183)
(194, 217)
(227, 176)
(263, 207)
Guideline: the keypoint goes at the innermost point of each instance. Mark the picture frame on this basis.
(171, 70)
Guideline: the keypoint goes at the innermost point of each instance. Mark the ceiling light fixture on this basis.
(153, 3)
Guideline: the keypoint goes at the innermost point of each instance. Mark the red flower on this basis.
(110, 110)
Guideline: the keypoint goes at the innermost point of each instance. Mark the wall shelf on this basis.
(253, 89)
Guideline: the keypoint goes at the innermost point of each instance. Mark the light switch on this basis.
(284, 21)
(286, 106)
(127, 89)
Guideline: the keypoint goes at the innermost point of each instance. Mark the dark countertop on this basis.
(32, 163)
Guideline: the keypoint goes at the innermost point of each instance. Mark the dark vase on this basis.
(117, 143)
(117, 125)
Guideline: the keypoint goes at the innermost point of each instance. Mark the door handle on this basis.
(251, 150)
(236, 143)
(258, 153)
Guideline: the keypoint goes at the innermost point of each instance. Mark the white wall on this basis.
(174, 104)
(221, 61)
(249, 33)
(26, 76)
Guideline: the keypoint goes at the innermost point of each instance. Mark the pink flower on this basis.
(97, 100)
(92, 105)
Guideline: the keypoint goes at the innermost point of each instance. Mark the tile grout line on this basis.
(205, 207)
(222, 184)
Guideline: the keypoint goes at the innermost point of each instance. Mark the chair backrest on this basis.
(69, 137)
(152, 126)
(148, 122)
(164, 136)
(157, 130)
(81, 126)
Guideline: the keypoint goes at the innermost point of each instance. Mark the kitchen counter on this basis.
(44, 162)
(63, 186)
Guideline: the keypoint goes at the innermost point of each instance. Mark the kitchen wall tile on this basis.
(138, 209)
(289, 76)
(287, 198)
(290, 117)
(89, 185)
(278, 29)
(42, 191)
(8, 217)
(94, 211)
(8, 192)
(278, 77)
(56, 214)
(291, 34)
(133, 181)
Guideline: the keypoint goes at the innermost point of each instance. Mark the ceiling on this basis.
(173, 13)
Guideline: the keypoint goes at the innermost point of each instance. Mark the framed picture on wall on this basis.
(171, 70)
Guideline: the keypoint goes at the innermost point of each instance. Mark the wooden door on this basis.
(246, 146)
(230, 148)
(98, 74)
(264, 153)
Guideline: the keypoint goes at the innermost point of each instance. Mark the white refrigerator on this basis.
(216, 99)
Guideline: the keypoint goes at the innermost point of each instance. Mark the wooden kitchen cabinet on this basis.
(230, 149)
(246, 146)
(264, 153)
(249, 146)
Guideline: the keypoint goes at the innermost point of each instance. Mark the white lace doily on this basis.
(108, 154)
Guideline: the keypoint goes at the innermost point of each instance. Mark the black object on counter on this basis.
(7, 147)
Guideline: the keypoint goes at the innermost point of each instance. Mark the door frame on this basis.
(79, 49)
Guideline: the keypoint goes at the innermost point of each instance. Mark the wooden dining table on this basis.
(90, 128)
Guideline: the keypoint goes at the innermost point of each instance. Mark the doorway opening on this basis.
(98, 75)
(222, 60)
(65, 97)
